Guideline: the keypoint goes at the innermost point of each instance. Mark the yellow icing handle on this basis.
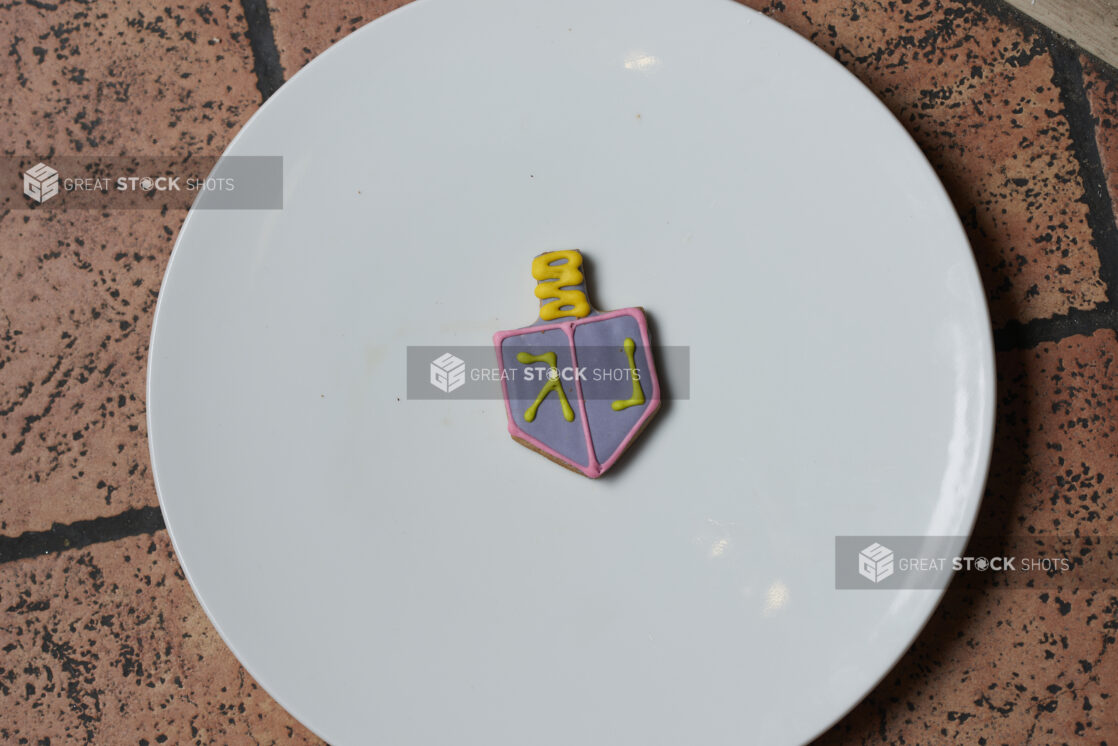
(557, 282)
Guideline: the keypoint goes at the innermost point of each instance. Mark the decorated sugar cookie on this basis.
(579, 384)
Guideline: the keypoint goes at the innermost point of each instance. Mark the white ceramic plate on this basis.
(400, 572)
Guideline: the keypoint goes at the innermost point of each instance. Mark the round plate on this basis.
(399, 571)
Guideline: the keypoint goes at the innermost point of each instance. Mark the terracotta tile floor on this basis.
(102, 641)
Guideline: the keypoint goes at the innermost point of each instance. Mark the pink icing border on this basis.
(593, 469)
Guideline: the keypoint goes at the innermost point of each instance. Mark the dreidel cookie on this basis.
(579, 384)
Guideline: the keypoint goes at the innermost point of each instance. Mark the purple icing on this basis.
(549, 426)
(598, 347)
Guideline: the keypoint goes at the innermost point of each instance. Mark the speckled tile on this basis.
(1055, 465)
(75, 317)
(1037, 665)
(303, 30)
(1102, 93)
(977, 95)
(110, 78)
(108, 645)
(124, 76)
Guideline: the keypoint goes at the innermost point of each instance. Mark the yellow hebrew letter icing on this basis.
(552, 384)
(638, 393)
(557, 281)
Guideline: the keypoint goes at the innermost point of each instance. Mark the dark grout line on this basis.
(1068, 77)
(80, 534)
(265, 54)
(1009, 14)
(1025, 336)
